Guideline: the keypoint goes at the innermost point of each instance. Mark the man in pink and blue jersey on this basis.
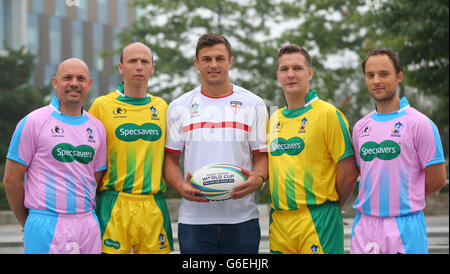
(401, 160)
(60, 149)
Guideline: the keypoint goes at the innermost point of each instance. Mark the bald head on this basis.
(72, 83)
(71, 63)
(132, 47)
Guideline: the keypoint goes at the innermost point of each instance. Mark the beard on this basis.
(385, 97)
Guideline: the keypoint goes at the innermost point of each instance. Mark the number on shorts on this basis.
(73, 248)
(372, 248)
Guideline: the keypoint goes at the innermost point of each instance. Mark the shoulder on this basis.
(363, 121)
(326, 110)
(323, 106)
(39, 116)
(94, 121)
(419, 121)
(106, 99)
(416, 116)
(186, 97)
(158, 101)
(247, 95)
(276, 115)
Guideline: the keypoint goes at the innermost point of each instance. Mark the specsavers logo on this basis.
(386, 150)
(67, 153)
(131, 132)
(293, 146)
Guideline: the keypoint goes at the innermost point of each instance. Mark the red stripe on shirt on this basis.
(172, 150)
(200, 125)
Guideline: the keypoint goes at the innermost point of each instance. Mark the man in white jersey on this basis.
(61, 151)
(217, 122)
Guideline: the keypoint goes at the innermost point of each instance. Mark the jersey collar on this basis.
(309, 98)
(131, 100)
(72, 120)
(403, 105)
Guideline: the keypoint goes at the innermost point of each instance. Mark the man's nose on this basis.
(74, 82)
(139, 66)
(290, 73)
(213, 63)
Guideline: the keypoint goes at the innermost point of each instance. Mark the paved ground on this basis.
(437, 228)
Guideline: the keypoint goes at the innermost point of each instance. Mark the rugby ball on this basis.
(216, 181)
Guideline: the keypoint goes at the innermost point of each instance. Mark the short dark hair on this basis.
(383, 51)
(292, 48)
(211, 39)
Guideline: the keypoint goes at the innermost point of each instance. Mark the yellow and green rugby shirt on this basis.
(305, 145)
(136, 129)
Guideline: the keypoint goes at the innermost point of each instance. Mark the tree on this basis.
(337, 33)
(17, 96)
(171, 29)
(419, 32)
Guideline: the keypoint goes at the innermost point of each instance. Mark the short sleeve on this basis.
(23, 142)
(101, 155)
(174, 130)
(338, 136)
(428, 143)
(258, 133)
(356, 132)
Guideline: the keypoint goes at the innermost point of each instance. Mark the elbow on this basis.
(353, 175)
(443, 183)
(7, 183)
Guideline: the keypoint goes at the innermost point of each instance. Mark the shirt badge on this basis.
(396, 129)
(155, 113)
(303, 125)
(195, 108)
(236, 106)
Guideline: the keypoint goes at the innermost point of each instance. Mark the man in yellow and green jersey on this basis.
(131, 209)
(312, 168)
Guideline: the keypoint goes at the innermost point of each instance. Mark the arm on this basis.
(174, 178)
(435, 178)
(98, 179)
(15, 193)
(346, 176)
(254, 181)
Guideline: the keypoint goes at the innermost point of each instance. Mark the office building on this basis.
(55, 30)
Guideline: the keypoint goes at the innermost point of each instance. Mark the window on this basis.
(33, 34)
(38, 6)
(5, 24)
(82, 10)
(97, 39)
(60, 8)
(102, 9)
(55, 40)
(77, 39)
(122, 13)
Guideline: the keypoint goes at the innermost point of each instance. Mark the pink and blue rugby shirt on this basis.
(61, 153)
(392, 150)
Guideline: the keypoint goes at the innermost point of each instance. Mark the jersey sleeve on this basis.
(356, 131)
(258, 133)
(101, 155)
(94, 109)
(338, 136)
(23, 142)
(174, 130)
(428, 143)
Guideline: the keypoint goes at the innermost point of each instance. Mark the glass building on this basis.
(55, 30)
